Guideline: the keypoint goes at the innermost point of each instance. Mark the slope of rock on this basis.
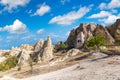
(38, 45)
(114, 30)
(79, 36)
(47, 50)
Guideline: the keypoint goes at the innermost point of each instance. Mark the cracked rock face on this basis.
(47, 50)
(114, 30)
(79, 36)
(38, 45)
(43, 50)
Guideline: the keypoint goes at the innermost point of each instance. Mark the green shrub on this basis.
(96, 41)
(9, 63)
(19, 69)
(64, 46)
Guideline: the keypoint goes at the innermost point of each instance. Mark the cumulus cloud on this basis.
(69, 18)
(16, 28)
(112, 4)
(102, 5)
(102, 14)
(9, 5)
(110, 19)
(40, 31)
(43, 9)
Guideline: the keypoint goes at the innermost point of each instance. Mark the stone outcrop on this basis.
(57, 46)
(63, 57)
(38, 45)
(114, 30)
(43, 50)
(79, 36)
(23, 56)
(27, 47)
(47, 50)
(22, 53)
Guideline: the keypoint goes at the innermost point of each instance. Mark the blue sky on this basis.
(26, 21)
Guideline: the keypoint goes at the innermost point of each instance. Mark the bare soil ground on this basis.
(92, 67)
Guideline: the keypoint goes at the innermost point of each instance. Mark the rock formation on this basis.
(43, 50)
(114, 30)
(79, 36)
(47, 50)
(38, 45)
(27, 47)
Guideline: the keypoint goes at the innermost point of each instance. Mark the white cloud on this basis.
(69, 18)
(29, 11)
(16, 28)
(30, 36)
(114, 11)
(53, 35)
(112, 4)
(40, 31)
(43, 9)
(111, 19)
(9, 5)
(102, 14)
(102, 5)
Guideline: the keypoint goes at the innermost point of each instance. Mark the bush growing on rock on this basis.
(96, 41)
(9, 63)
(64, 46)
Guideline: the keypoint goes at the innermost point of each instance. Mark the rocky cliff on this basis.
(42, 51)
(79, 36)
(45, 50)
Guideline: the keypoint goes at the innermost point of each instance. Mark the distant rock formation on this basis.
(27, 47)
(38, 45)
(43, 50)
(47, 50)
(114, 30)
(79, 36)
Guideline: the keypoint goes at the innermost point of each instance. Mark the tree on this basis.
(96, 41)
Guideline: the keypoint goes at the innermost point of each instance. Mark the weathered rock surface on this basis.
(65, 56)
(38, 45)
(57, 46)
(27, 47)
(47, 50)
(114, 30)
(79, 36)
(23, 56)
(43, 50)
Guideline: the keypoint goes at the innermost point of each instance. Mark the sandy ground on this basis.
(100, 68)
